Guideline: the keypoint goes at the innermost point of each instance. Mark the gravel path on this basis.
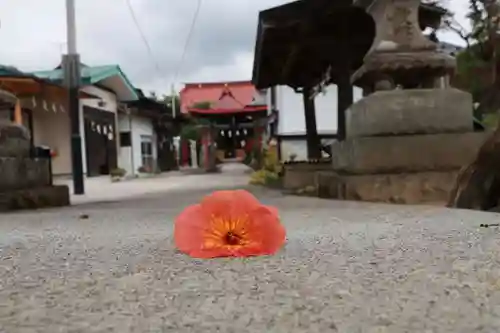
(347, 267)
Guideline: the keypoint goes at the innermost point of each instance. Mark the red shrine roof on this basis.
(227, 97)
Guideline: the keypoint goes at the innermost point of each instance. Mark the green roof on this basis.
(11, 71)
(94, 75)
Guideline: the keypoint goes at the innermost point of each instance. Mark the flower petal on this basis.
(230, 204)
(273, 210)
(189, 229)
(266, 230)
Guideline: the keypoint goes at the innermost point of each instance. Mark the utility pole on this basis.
(71, 67)
(173, 96)
(173, 105)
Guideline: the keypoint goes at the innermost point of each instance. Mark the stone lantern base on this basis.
(404, 146)
(25, 182)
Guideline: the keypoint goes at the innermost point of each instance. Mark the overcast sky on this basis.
(33, 33)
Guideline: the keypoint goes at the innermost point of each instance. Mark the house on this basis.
(41, 105)
(108, 87)
(146, 136)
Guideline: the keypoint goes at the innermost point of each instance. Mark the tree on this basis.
(153, 95)
(478, 184)
(206, 105)
(477, 66)
(191, 130)
(167, 100)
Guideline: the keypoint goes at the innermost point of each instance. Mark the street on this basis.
(347, 267)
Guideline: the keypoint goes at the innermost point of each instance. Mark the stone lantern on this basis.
(409, 136)
(401, 55)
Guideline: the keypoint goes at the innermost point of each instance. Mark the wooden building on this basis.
(312, 48)
(236, 112)
(146, 136)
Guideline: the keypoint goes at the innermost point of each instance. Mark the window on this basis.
(125, 139)
(147, 152)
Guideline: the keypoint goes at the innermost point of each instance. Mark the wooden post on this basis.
(207, 145)
(313, 141)
(233, 130)
(184, 152)
(344, 100)
(18, 115)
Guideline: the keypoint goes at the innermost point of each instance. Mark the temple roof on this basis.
(225, 97)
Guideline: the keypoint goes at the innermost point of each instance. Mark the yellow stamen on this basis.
(226, 232)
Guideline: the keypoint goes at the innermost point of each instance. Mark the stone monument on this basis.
(25, 181)
(408, 137)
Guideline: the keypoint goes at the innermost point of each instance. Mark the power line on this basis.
(188, 39)
(143, 36)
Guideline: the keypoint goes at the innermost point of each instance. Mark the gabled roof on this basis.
(228, 96)
(149, 107)
(227, 101)
(13, 72)
(108, 76)
(299, 42)
(26, 84)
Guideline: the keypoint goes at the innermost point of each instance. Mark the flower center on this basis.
(232, 238)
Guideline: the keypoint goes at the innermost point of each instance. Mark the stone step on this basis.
(419, 111)
(411, 153)
(404, 188)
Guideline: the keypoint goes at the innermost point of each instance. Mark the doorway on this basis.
(147, 158)
(100, 141)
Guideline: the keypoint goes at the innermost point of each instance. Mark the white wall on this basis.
(293, 146)
(130, 158)
(292, 119)
(298, 147)
(110, 105)
(52, 129)
(125, 153)
(291, 110)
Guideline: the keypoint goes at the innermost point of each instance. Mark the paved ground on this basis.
(101, 189)
(347, 267)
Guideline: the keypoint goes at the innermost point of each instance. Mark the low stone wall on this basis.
(33, 198)
(302, 174)
(23, 173)
(402, 188)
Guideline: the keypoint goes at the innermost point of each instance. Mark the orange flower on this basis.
(229, 224)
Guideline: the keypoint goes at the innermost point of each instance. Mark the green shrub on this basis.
(118, 172)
